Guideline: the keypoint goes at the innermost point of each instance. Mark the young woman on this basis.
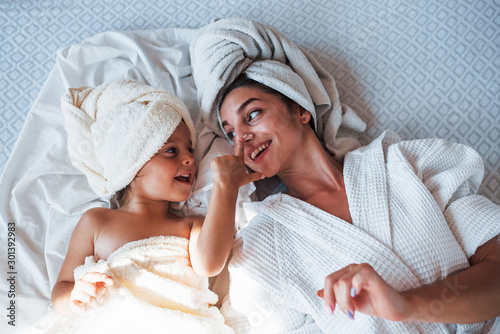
(391, 240)
(386, 238)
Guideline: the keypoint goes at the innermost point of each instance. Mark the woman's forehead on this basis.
(241, 97)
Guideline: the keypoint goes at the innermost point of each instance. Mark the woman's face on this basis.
(273, 132)
(169, 174)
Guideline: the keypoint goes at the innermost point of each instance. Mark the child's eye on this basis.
(172, 150)
(191, 150)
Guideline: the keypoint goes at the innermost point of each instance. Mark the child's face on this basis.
(169, 174)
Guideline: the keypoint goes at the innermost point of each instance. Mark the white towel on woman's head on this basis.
(115, 128)
(228, 47)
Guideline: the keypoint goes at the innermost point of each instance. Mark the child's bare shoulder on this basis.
(97, 216)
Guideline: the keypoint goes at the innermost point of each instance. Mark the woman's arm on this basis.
(211, 239)
(70, 298)
(472, 295)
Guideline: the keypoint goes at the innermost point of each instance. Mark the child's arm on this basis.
(70, 298)
(211, 239)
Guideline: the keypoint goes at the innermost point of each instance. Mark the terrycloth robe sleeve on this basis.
(453, 173)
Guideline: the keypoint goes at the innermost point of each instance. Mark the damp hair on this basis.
(121, 196)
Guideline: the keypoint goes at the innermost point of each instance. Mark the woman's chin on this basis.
(268, 173)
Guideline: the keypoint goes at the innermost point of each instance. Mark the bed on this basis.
(420, 68)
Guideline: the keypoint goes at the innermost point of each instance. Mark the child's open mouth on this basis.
(184, 178)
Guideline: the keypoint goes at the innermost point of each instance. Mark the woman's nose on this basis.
(247, 136)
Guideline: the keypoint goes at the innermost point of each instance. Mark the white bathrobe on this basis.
(416, 220)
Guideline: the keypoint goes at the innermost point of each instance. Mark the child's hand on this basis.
(91, 287)
(231, 170)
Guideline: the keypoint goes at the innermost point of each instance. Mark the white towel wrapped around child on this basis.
(155, 290)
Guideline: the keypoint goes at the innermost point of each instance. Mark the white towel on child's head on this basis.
(115, 128)
(225, 49)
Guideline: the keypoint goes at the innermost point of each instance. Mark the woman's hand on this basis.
(358, 288)
(230, 170)
(88, 289)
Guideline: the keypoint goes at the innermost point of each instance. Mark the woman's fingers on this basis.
(343, 286)
(359, 288)
(342, 289)
(329, 295)
(356, 283)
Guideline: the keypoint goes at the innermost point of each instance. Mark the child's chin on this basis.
(185, 197)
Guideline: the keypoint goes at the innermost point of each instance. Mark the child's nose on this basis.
(188, 159)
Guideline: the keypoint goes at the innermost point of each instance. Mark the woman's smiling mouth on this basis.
(258, 150)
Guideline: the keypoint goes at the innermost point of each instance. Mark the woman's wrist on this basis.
(413, 306)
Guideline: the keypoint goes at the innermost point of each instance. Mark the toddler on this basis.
(140, 268)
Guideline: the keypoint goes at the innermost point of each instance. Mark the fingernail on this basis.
(330, 309)
(353, 292)
(349, 314)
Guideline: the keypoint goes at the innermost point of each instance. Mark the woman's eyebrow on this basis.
(240, 109)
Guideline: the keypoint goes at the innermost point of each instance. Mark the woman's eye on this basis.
(230, 135)
(253, 114)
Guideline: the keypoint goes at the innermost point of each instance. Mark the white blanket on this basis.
(415, 220)
(155, 290)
